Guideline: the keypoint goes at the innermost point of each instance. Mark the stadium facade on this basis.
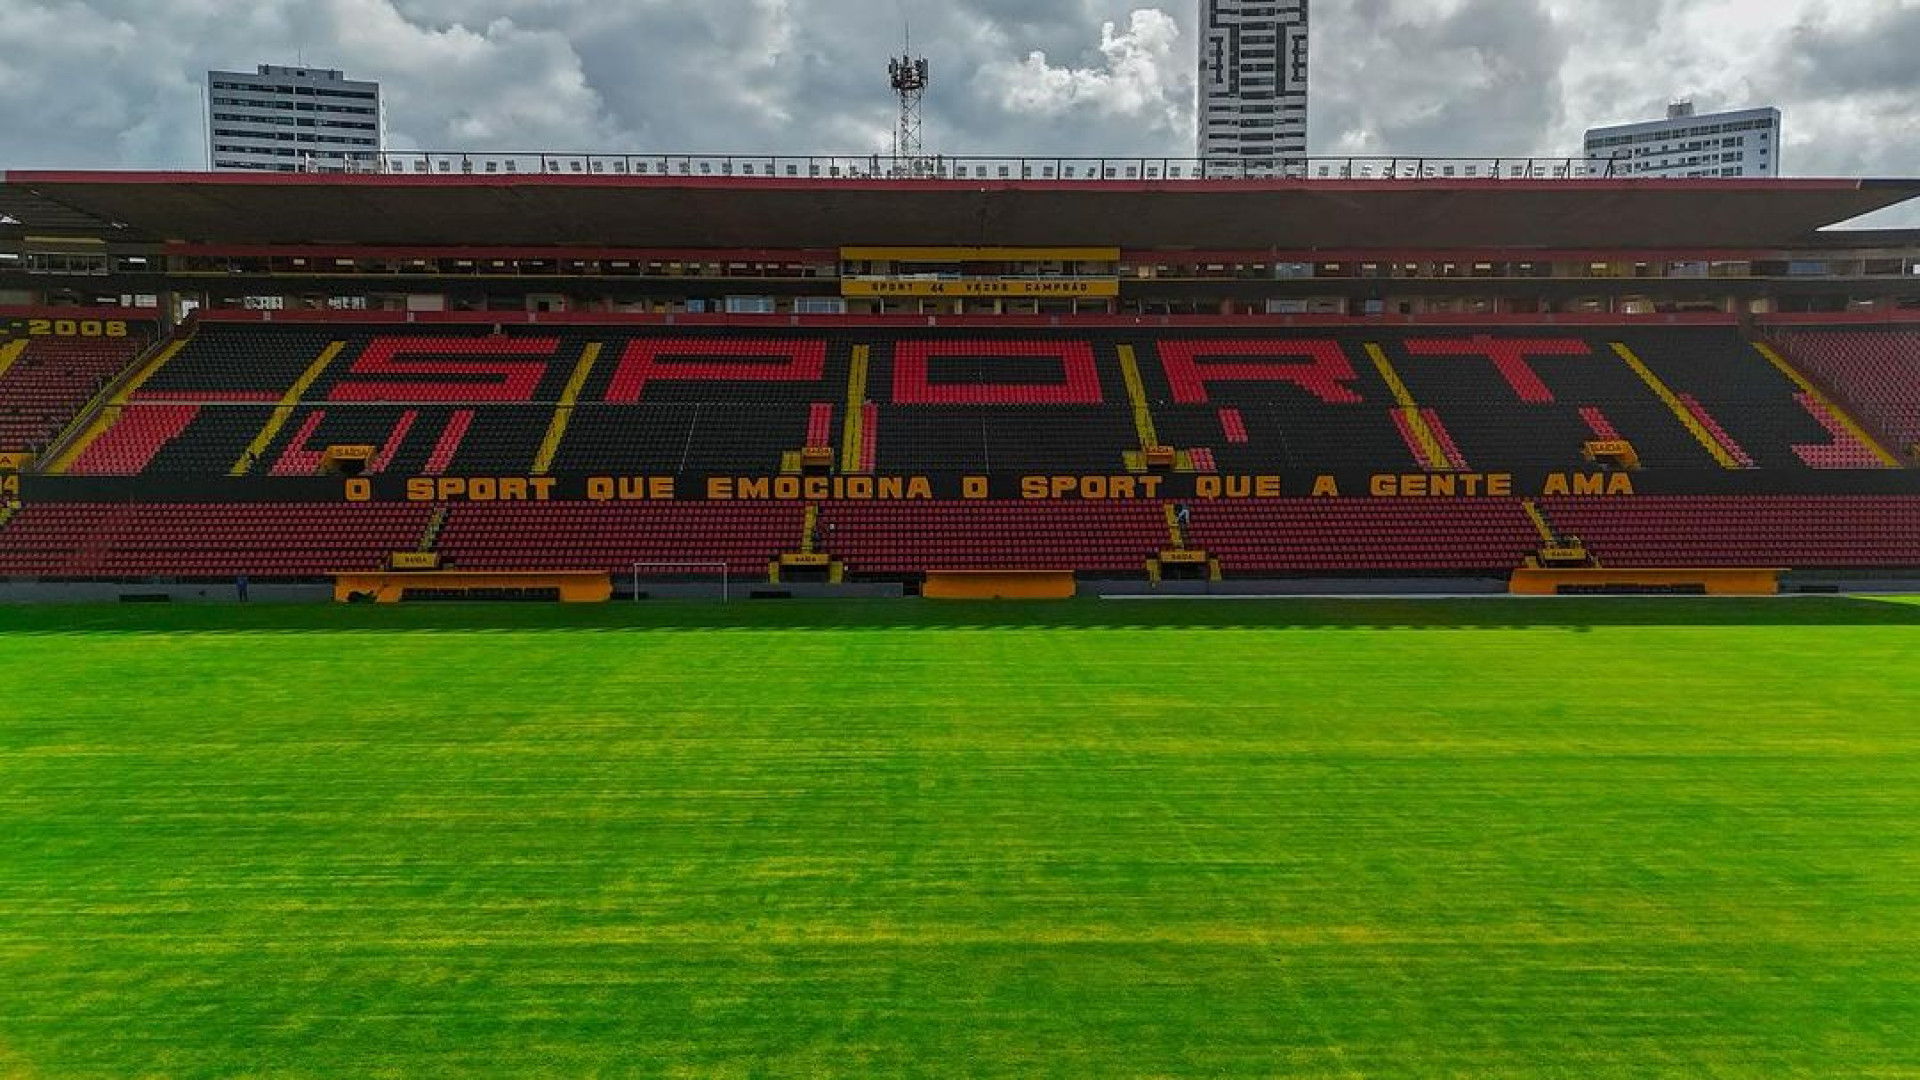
(519, 371)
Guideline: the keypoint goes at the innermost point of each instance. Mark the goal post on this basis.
(685, 568)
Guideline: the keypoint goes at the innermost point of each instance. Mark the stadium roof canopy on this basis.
(749, 213)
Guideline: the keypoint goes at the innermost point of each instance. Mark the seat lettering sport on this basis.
(455, 369)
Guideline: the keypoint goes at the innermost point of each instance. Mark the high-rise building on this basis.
(1744, 143)
(1253, 87)
(292, 119)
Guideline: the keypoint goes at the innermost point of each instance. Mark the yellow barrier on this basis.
(1661, 390)
(284, 411)
(568, 587)
(1142, 411)
(850, 443)
(563, 412)
(1429, 443)
(1550, 582)
(1000, 585)
(1833, 409)
(11, 352)
(97, 423)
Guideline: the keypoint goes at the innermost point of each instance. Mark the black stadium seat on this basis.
(693, 402)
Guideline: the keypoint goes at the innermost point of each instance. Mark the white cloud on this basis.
(115, 83)
(1142, 76)
(492, 85)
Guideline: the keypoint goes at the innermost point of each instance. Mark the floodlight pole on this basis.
(909, 75)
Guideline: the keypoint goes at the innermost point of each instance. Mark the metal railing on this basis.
(885, 167)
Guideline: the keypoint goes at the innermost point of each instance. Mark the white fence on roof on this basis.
(1011, 169)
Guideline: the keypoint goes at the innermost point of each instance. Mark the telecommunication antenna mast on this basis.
(910, 76)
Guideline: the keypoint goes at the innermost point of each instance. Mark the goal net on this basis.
(681, 573)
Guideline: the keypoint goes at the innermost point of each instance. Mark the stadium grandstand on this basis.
(502, 373)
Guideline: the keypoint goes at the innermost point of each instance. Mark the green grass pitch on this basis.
(1314, 839)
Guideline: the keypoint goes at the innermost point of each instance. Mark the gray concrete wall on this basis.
(27, 592)
(1861, 585)
(1303, 587)
(94, 593)
(746, 591)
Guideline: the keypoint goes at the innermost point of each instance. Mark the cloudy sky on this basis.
(113, 83)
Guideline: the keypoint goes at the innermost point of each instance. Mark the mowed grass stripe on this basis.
(1553, 851)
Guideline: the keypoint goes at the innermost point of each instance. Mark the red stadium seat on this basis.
(708, 401)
